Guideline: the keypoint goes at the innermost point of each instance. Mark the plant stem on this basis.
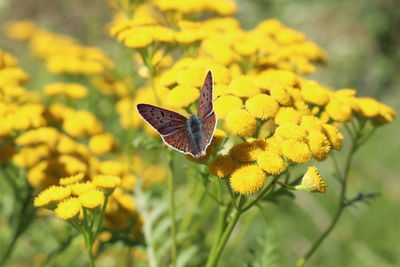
(171, 193)
(342, 197)
(213, 259)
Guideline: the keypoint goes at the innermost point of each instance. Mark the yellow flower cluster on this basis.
(73, 194)
(70, 90)
(61, 53)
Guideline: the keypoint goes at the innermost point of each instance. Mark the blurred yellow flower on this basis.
(20, 30)
(222, 166)
(91, 199)
(333, 135)
(318, 144)
(240, 122)
(101, 144)
(72, 179)
(106, 181)
(314, 93)
(247, 179)
(368, 107)
(52, 194)
(71, 90)
(68, 209)
(287, 115)
(291, 131)
(247, 151)
(312, 181)
(80, 188)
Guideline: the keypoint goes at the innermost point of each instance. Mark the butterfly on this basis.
(188, 135)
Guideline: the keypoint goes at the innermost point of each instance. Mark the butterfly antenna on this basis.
(216, 98)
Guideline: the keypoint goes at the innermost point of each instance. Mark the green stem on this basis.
(213, 259)
(342, 198)
(230, 194)
(222, 213)
(103, 212)
(262, 194)
(171, 194)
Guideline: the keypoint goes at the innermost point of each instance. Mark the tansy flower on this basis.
(182, 96)
(312, 181)
(222, 166)
(338, 110)
(219, 136)
(247, 151)
(126, 201)
(271, 162)
(192, 76)
(106, 181)
(113, 167)
(314, 93)
(51, 194)
(20, 30)
(386, 114)
(311, 123)
(80, 188)
(243, 86)
(128, 182)
(92, 199)
(71, 90)
(281, 95)
(334, 136)
(102, 143)
(68, 209)
(368, 107)
(262, 106)
(225, 104)
(72, 179)
(296, 151)
(291, 131)
(240, 122)
(287, 115)
(318, 144)
(247, 179)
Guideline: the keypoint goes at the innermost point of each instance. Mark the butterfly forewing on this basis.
(164, 121)
(208, 127)
(205, 106)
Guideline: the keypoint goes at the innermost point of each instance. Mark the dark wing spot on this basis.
(162, 114)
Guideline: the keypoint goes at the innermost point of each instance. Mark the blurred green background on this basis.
(361, 38)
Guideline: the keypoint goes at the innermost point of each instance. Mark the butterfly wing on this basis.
(208, 125)
(205, 107)
(179, 141)
(164, 121)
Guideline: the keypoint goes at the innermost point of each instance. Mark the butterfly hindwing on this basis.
(208, 127)
(164, 121)
(179, 141)
(205, 106)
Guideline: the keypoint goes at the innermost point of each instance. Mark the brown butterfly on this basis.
(190, 136)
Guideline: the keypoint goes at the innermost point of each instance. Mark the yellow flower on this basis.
(271, 162)
(128, 182)
(334, 136)
(46, 135)
(243, 86)
(368, 107)
(191, 77)
(182, 96)
(312, 181)
(138, 40)
(92, 199)
(311, 123)
(127, 202)
(314, 93)
(68, 209)
(113, 167)
(386, 114)
(222, 166)
(240, 122)
(80, 188)
(338, 110)
(296, 151)
(72, 164)
(29, 156)
(71, 90)
(247, 179)
(72, 179)
(247, 151)
(318, 144)
(20, 30)
(82, 123)
(262, 106)
(51, 194)
(106, 181)
(225, 104)
(287, 115)
(276, 79)
(101, 144)
(282, 95)
(291, 131)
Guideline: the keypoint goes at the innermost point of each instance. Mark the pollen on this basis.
(271, 162)
(262, 106)
(240, 122)
(296, 151)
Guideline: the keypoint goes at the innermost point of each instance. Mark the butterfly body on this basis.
(188, 135)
